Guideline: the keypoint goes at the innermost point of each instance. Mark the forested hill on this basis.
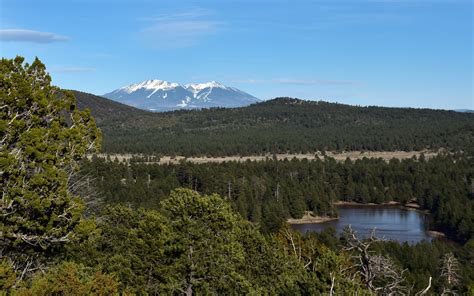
(277, 126)
(103, 109)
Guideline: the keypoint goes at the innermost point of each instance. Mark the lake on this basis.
(391, 223)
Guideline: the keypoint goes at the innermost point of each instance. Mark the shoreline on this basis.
(410, 206)
(309, 218)
(370, 204)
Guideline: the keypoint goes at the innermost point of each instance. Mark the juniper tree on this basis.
(43, 136)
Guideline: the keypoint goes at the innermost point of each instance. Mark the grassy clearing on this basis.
(339, 156)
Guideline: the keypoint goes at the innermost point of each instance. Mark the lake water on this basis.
(390, 222)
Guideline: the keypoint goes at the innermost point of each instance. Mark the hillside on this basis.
(103, 109)
(278, 126)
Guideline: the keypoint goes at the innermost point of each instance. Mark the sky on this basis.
(403, 53)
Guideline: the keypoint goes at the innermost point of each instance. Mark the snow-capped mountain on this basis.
(159, 95)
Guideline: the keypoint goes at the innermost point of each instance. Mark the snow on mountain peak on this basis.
(154, 84)
(201, 86)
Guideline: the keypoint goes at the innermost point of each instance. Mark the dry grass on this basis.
(339, 156)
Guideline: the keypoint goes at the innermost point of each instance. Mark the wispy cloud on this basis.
(21, 35)
(189, 14)
(71, 69)
(296, 81)
(181, 29)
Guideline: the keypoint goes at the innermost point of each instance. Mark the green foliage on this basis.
(204, 227)
(129, 244)
(7, 275)
(69, 278)
(266, 264)
(279, 126)
(43, 136)
(323, 267)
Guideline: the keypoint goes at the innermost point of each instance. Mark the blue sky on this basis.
(416, 53)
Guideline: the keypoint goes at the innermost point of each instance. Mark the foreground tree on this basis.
(69, 278)
(204, 252)
(43, 136)
(129, 243)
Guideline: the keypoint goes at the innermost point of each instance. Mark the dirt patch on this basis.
(412, 205)
(310, 218)
(435, 233)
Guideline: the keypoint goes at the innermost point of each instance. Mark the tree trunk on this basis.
(189, 290)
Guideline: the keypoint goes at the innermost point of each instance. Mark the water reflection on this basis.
(391, 223)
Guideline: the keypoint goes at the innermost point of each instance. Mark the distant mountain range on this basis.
(160, 95)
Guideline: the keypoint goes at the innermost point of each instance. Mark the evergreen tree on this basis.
(43, 136)
(204, 253)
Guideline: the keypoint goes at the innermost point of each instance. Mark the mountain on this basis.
(160, 95)
(277, 126)
(464, 110)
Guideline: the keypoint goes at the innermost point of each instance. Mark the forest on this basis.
(280, 125)
(269, 192)
(77, 226)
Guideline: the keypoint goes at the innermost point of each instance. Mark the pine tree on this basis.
(204, 253)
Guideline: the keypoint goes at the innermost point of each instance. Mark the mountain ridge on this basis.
(282, 125)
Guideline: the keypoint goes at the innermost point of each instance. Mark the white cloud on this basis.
(21, 35)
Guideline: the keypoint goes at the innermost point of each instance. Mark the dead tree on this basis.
(450, 274)
(425, 290)
(391, 276)
(379, 273)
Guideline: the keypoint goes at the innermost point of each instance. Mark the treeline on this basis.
(278, 126)
(270, 191)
